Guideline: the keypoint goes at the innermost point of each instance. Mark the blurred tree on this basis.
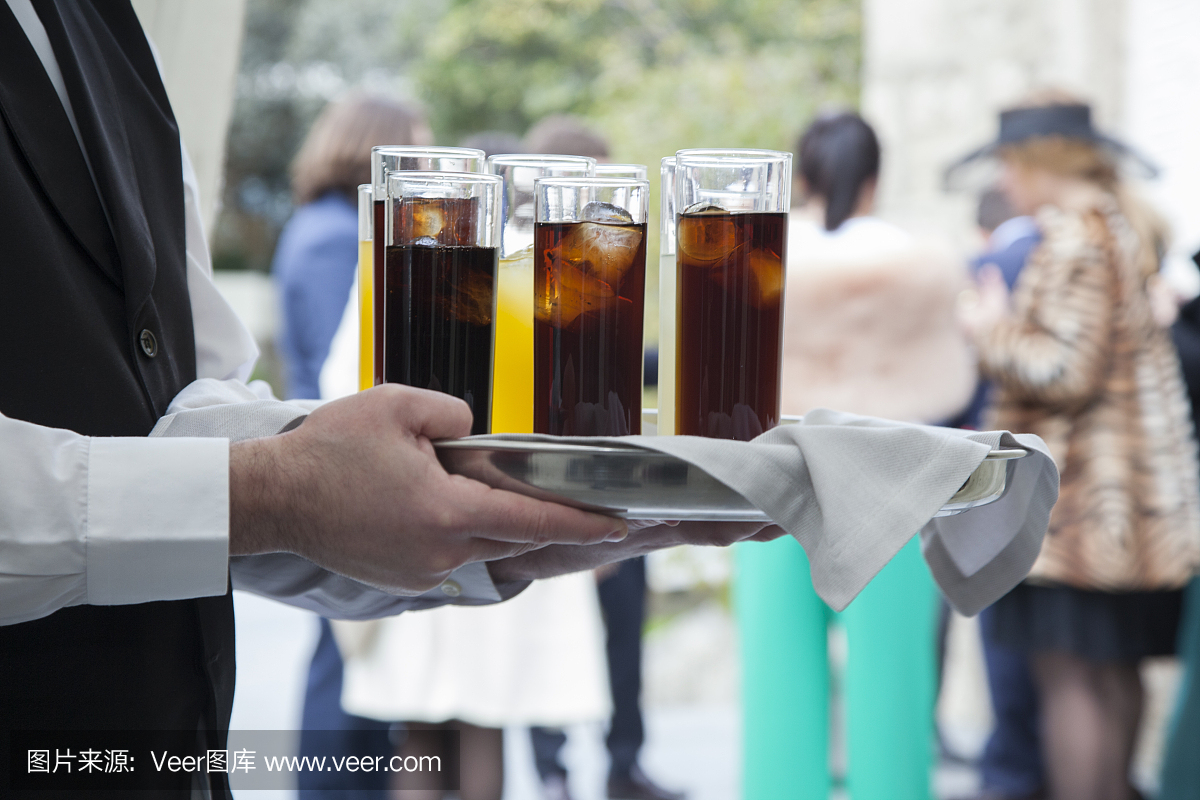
(653, 75)
(731, 72)
(297, 55)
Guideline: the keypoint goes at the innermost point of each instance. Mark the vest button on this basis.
(148, 342)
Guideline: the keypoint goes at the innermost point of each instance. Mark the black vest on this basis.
(96, 336)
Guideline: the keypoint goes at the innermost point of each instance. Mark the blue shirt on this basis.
(1008, 249)
(314, 267)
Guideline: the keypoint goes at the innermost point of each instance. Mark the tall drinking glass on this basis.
(366, 282)
(589, 292)
(666, 300)
(391, 158)
(512, 391)
(443, 233)
(731, 247)
(637, 172)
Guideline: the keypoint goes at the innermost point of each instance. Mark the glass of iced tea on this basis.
(512, 386)
(386, 159)
(443, 235)
(731, 246)
(588, 294)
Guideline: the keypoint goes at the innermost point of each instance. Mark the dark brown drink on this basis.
(379, 299)
(588, 294)
(729, 306)
(441, 306)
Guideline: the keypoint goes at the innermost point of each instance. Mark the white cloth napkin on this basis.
(854, 490)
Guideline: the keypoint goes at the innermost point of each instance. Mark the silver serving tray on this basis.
(634, 483)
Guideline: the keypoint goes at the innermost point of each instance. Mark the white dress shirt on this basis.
(119, 520)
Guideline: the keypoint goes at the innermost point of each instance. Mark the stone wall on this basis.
(1162, 112)
(200, 45)
(936, 72)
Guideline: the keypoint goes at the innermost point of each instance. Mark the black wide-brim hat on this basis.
(1072, 121)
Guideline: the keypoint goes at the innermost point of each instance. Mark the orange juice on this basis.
(366, 316)
(512, 374)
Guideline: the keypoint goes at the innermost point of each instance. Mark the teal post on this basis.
(1181, 767)
(785, 673)
(890, 682)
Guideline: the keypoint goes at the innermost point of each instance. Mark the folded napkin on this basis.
(853, 490)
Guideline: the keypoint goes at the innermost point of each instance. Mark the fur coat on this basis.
(1081, 362)
(869, 328)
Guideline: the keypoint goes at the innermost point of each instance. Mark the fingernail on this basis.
(618, 535)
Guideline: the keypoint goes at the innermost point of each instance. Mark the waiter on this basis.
(140, 477)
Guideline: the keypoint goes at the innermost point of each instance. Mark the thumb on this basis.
(433, 415)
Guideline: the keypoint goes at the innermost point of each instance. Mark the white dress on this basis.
(537, 659)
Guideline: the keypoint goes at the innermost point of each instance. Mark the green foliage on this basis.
(654, 75)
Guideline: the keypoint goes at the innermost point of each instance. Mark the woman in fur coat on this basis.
(1077, 356)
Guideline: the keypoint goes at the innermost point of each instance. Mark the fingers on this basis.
(723, 534)
(433, 415)
(492, 550)
(641, 524)
(508, 517)
(768, 534)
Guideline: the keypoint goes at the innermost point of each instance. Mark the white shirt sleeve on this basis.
(108, 521)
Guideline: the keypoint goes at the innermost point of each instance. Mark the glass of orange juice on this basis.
(512, 374)
(366, 282)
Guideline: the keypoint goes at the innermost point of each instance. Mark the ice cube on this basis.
(707, 239)
(606, 212)
(571, 295)
(605, 252)
(470, 299)
(425, 241)
(427, 218)
(476, 298)
(704, 207)
(766, 269)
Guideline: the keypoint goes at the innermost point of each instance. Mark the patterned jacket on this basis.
(1082, 363)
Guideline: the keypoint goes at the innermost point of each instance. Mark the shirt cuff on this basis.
(470, 584)
(157, 519)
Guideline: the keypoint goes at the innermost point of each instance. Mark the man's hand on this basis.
(559, 560)
(358, 490)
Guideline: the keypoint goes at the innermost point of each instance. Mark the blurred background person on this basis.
(1010, 767)
(868, 328)
(537, 661)
(494, 142)
(314, 266)
(565, 135)
(869, 324)
(317, 252)
(622, 589)
(1010, 236)
(1078, 357)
